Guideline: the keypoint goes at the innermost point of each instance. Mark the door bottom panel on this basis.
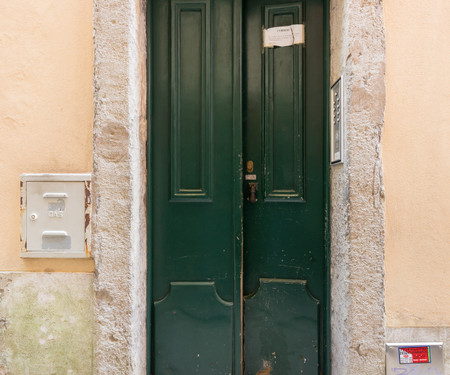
(281, 329)
(193, 331)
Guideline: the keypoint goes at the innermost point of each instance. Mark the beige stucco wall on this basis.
(416, 161)
(46, 107)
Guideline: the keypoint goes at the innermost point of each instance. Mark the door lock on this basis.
(250, 166)
(252, 189)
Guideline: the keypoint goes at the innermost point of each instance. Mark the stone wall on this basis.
(119, 178)
(357, 195)
(46, 323)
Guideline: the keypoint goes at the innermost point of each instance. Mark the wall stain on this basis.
(45, 326)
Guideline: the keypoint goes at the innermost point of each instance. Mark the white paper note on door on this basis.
(284, 36)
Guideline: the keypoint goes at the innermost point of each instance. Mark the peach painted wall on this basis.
(46, 108)
(46, 116)
(416, 159)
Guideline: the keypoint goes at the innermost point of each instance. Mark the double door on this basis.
(237, 249)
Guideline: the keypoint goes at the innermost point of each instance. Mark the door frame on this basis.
(355, 210)
(324, 356)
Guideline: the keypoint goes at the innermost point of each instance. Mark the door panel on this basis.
(191, 101)
(192, 233)
(281, 334)
(193, 331)
(282, 126)
(192, 173)
(284, 228)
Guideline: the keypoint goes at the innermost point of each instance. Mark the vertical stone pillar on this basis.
(357, 196)
(119, 186)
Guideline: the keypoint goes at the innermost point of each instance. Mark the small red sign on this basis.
(414, 354)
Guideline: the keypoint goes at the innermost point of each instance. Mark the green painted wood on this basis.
(283, 111)
(281, 329)
(191, 99)
(194, 239)
(283, 107)
(197, 237)
(325, 335)
(193, 331)
(149, 301)
(237, 186)
(284, 239)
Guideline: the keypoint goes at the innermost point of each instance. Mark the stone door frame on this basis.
(357, 43)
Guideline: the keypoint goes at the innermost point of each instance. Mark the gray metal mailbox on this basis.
(415, 358)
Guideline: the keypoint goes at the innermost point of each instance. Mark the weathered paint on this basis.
(46, 323)
(267, 370)
(87, 217)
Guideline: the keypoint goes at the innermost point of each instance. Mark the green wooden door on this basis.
(232, 279)
(284, 227)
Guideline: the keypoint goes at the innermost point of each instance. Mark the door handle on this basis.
(252, 189)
